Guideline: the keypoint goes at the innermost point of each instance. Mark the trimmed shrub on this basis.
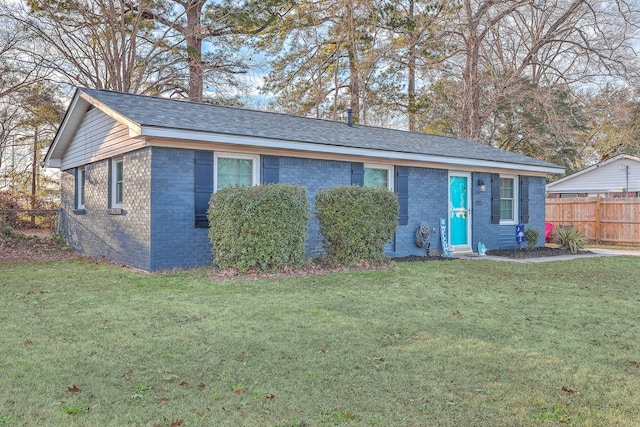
(571, 238)
(531, 236)
(356, 222)
(259, 228)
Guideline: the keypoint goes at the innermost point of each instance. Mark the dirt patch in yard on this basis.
(18, 247)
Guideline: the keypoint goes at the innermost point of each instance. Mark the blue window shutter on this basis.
(402, 190)
(203, 180)
(270, 169)
(357, 174)
(524, 199)
(495, 198)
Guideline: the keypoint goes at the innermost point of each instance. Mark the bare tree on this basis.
(16, 76)
(545, 41)
(96, 43)
(614, 124)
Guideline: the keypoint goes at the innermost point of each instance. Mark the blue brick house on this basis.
(138, 171)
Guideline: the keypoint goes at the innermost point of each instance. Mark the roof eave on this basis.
(240, 140)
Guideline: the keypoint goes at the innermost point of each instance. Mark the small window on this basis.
(117, 183)
(235, 169)
(508, 200)
(378, 176)
(80, 180)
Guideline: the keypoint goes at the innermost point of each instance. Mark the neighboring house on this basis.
(616, 177)
(138, 172)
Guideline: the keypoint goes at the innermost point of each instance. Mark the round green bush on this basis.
(259, 228)
(356, 222)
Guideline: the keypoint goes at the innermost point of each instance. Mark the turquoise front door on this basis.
(459, 212)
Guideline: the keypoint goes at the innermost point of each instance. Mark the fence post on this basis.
(598, 219)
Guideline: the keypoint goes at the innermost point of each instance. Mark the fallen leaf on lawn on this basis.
(28, 342)
(569, 390)
(163, 400)
(202, 385)
(176, 423)
(73, 389)
(634, 364)
(239, 391)
(184, 383)
(270, 396)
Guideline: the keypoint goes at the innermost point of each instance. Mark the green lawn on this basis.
(462, 343)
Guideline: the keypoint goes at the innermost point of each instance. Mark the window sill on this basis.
(80, 211)
(115, 211)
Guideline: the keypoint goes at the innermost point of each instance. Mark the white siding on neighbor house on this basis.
(98, 137)
(610, 177)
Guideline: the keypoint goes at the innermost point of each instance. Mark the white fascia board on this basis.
(336, 149)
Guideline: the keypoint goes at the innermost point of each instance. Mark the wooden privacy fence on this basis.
(603, 219)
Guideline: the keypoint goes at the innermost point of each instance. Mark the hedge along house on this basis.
(138, 172)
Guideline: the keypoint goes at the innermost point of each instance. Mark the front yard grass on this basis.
(463, 343)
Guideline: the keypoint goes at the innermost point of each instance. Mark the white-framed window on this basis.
(235, 169)
(117, 182)
(379, 176)
(80, 180)
(508, 199)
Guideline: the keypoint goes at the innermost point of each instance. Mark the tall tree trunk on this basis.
(470, 122)
(194, 39)
(411, 75)
(352, 54)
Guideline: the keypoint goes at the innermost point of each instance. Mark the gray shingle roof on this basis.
(200, 117)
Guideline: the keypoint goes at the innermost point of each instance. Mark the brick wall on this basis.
(428, 201)
(495, 236)
(96, 231)
(175, 241)
(156, 228)
(314, 175)
(482, 229)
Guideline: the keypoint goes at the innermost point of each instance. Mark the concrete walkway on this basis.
(595, 252)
